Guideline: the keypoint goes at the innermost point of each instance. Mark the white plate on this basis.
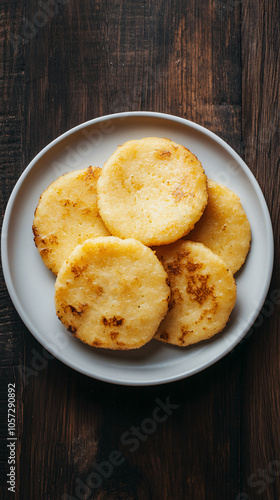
(31, 285)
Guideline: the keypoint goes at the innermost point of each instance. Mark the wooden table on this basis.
(213, 62)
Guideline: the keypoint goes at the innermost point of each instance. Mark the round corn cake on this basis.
(224, 227)
(67, 215)
(203, 293)
(153, 190)
(112, 293)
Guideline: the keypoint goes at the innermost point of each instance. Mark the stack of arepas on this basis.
(145, 247)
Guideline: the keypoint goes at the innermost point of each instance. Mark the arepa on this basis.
(224, 227)
(112, 293)
(153, 190)
(67, 215)
(203, 293)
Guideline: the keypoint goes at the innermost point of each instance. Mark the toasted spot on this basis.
(115, 321)
(176, 298)
(208, 313)
(203, 293)
(198, 288)
(99, 290)
(174, 268)
(121, 345)
(97, 343)
(36, 231)
(77, 270)
(184, 333)
(164, 336)
(52, 239)
(71, 329)
(75, 311)
(90, 173)
(192, 267)
(114, 335)
(163, 153)
(45, 251)
(153, 190)
(68, 203)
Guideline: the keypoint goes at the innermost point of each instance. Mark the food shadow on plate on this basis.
(155, 348)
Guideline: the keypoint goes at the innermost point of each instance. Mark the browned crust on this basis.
(114, 321)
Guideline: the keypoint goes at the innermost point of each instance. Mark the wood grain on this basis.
(215, 63)
(261, 119)
(12, 164)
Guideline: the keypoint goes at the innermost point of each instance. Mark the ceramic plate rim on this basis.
(129, 114)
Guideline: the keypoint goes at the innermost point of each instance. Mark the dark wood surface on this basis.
(213, 62)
